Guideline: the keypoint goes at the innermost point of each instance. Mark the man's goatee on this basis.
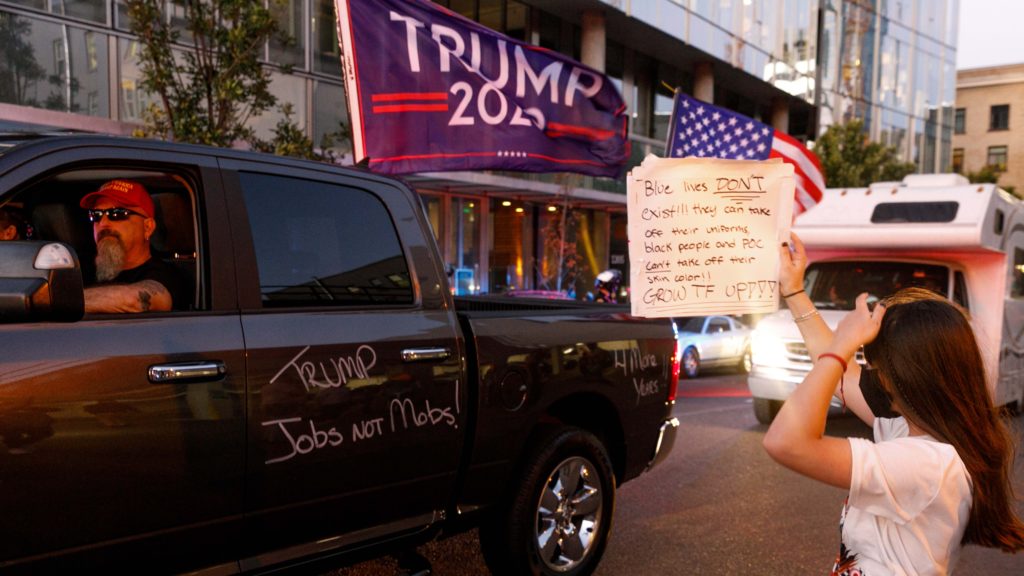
(109, 258)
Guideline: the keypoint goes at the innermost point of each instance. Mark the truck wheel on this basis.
(765, 410)
(560, 511)
(691, 362)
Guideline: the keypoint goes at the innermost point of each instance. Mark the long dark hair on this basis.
(929, 360)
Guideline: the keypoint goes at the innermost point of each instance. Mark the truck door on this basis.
(355, 406)
(102, 464)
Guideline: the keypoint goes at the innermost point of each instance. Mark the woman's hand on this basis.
(857, 328)
(792, 264)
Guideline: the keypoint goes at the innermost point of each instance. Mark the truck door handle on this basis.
(419, 354)
(184, 372)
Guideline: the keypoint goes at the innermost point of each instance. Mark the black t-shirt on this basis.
(173, 280)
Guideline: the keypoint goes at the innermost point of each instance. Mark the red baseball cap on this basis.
(125, 193)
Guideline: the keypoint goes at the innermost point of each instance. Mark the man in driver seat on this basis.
(128, 277)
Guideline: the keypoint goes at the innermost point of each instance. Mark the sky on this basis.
(990, 33)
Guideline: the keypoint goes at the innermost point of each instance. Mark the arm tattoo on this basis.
(144, 300)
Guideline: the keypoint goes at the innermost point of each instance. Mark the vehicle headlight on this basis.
(767, 348)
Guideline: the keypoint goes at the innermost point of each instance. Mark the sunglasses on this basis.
(113, 214)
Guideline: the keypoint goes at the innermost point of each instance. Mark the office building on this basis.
(988, 124)
(73, 64)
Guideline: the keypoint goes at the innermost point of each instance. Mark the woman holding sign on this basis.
(937, 475)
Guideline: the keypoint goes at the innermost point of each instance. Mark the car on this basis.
(713, 341)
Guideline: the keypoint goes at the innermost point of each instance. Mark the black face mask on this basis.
(878, 399)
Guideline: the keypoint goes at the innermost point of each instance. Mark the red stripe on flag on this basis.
(429, 156)
(410, 108)
(806, 167)
(556, 130)
(810, 155)
(409, 96)
(564, 160)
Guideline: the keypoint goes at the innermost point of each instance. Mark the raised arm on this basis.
(814, 330)
(142, 296)
(796, 438)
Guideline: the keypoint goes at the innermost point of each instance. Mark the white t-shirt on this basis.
(909, 503)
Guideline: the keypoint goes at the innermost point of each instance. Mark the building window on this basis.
(289, 47)
(958, 160)
(326, 54)
(511, 245)
(466, 214)
(997, 157)
(93, 62)
(1000, 117)
(330, 118)
(516, 17)
(960, 121)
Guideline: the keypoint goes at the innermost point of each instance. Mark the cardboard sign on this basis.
(704, 235)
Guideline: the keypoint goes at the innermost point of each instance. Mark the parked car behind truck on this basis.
(713, 341)
(323, 395)
(963, 241)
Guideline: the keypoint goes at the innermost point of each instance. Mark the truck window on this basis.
(320, 244)
(899, 212)
(51, 209)
(835, 285)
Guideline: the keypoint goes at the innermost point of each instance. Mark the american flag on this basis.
(700, 129)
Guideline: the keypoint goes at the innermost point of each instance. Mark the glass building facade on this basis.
(892, 64)
(798, 65)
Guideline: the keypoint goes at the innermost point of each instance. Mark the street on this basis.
(719, 505)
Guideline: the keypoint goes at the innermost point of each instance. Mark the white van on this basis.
(936, 231)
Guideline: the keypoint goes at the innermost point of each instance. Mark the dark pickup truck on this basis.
(321, 398)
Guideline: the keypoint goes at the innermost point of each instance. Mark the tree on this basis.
(213, 84)
(562, 265)
(989, 174)
(849, 159)
(19, 70)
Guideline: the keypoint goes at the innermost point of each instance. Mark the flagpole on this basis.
(671, 129)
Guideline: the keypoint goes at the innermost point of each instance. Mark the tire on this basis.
(746, 362)
(765, 410)
(544, 529)
(691, 362)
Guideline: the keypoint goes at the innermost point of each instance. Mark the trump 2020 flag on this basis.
(430, 90)
(700, 129)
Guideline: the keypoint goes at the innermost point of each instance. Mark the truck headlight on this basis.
(767, 349)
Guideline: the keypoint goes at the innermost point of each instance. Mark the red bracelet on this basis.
(842, 395)
(837, 357)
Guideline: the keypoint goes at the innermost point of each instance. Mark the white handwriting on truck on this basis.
(336, 373)
(644, 387)
(405, 413)
(304, 443)
(631, 361)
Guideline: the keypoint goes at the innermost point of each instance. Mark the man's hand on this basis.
(144, 296)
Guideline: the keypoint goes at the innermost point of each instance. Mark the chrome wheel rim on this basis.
(569, 514)
(748, 362)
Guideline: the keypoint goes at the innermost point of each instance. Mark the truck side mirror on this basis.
(40, 281)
